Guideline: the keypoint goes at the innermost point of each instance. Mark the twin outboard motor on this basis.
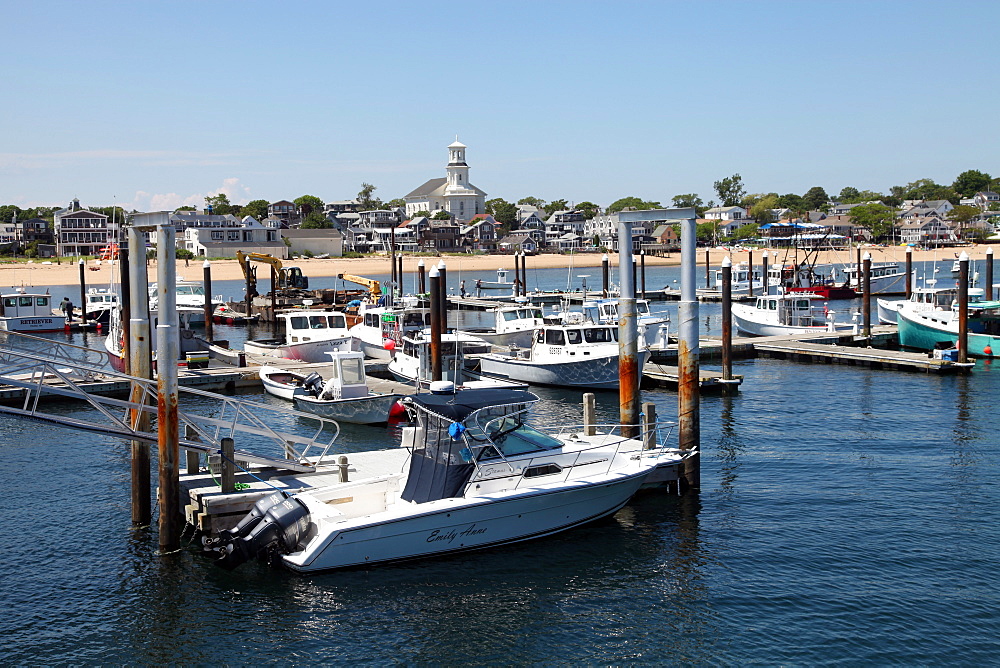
(275, 525)
(313, 383)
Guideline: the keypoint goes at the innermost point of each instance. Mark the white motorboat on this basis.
(743, 276)
(380, 330)
(345, 396)
(100, 303)
(114, 342)
(793, 313)
(285, 383)
(605, 312)
(886, 278)
(412, 361)
(502, 282)
(29, 312)
(513, 326)
(478, 476)
(309, 336)
(188, 294)
(583, 355)
(934, 329)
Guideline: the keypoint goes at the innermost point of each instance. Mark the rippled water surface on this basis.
(846, 516)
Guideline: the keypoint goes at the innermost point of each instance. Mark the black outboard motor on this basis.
(276, 524)
(313, 383)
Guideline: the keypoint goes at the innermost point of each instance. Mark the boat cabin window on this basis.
(298, 322)
(412, 320)
(642, 308)
(24, 301)
(555, 337)
(573, 336)
(772, 304)
(600, 334)
(409, 348)
(544, 469)
(10, 302)
(371, 320)
(802, 304)
(317, 322)
(512, 437)
(353, 371)
(337, 321)
(41, 301)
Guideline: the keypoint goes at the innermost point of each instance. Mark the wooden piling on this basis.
(963, 308)
(909, 271)
(604, 276)
(750, 277)
(193, 459)
(688, 355)
(989, 274)
(399, 273)
(227, 466)
(589, 413)
(727, 318)
(443, 294)
(866, 298)
(629, 373)
(435, 299)
(394, 279)
(274, 299)
(642, 270)
(140, 366)
(209, 310)
(83, 292)
(421, 278)
(167, 351)
(708, 269)
(648, 425)
(342, 467)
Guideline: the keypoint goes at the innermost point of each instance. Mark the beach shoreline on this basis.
(36, 274)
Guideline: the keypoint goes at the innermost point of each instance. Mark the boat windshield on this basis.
(352, 371)
(600, 334)
(511, 437)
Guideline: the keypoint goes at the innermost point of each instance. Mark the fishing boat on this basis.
(478, 476)
(886, 278)
(605, 312)
(502, 283)
(29, 312)
(513, 326)
(190, 295)
(309, 336)
(99, 305)
(775, 315)
(412, 361)
(743, 277)
(925, 298)
(380, 329)
(583, 355)
(937, 328)
(225, 314)
(819, 280)
(114, 342)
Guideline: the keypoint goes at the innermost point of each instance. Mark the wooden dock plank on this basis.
(872, 357)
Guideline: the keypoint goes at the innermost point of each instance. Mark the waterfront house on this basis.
(82, 232)
(519, 242)
(480, 234)
(286, 212)
(226, 235)
(726, 213)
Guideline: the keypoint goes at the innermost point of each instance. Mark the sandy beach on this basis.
(37, 273)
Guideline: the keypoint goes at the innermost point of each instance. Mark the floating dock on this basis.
(657, 375)
(873, 358)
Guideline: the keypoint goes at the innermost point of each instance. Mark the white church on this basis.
(453, 193)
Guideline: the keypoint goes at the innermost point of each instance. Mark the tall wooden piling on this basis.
(167, 352)
(589, 413)
(642, 270)
(126, 306)
(989, 274)
(604, 275)
(524, 274)
(688, 353)
(648, 425)
(394, 279)
(83, 292)
(866, 295)
(909, 271)
(399, 274)
(209, 310)
(138, 343)
(274, 298)
(443, 294)
(227, 466)
(765, 284)
(629, 372)
(708, 270)
(727, 318)
(750, 275)
(421, 278)
(963, 308)
(435, 298)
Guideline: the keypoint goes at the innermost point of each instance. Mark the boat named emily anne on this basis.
(478, 476)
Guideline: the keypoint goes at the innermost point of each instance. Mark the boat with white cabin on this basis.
(513, 326)
(580, 356)
(31, 312)
(412, 361)
(380, 329)
(309, 336)
(792, 313)
(924, 298)
(932, 329)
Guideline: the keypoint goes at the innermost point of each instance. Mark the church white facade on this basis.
(453, 193)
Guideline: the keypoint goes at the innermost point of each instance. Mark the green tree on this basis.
(748, 231)
(186, 207)
(877, 218)
(816, 198)
(220, 204)
(425, 214)
(962, 215)
(309, 204)
(315, 220)
(556, 205)
(793, 202)
(848, 195)
(441, 215)
(256, 208)
(705, 232)
(925, 189)
(366, 198)
(7, 212)
(503, 212)
(588, 209)
(854, 196)
(687, 200)
(730, 190)
(398, 203)
(762, 209)
(633, 202)
(532, 201)
(971, 181)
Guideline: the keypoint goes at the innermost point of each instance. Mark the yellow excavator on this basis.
(288, 277)
(374, 287)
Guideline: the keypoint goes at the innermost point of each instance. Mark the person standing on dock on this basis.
(479, 287)
(66, 306)
(461, 289)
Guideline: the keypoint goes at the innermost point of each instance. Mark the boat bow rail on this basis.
(38, 374)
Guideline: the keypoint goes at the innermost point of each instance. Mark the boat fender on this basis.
(313, 383)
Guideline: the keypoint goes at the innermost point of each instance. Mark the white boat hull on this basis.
(281, 383)
(887, 309)
(743, 318)
(409, 531)
(595, 372)
(306, 351)
(33, 324)
(373, 351)
(373, 409)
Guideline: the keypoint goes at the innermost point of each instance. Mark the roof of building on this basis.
(428, 188)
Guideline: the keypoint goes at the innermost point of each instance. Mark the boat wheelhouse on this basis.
(309, 336)
(792, 313)
(29, 312)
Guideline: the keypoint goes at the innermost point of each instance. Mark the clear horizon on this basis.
(155, 106)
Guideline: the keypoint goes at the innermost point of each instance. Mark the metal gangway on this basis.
(42, 366)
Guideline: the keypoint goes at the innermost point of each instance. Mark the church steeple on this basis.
(458, 171)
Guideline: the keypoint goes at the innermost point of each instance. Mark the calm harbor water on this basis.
(846, 516)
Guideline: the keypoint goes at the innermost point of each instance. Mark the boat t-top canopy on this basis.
(462, 404)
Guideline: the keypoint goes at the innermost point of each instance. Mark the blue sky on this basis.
(156, 104)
